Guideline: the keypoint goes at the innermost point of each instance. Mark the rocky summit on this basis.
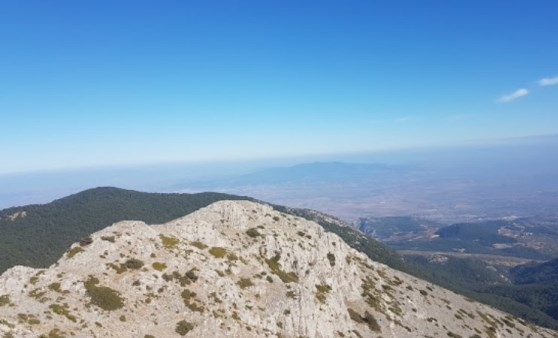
(234, 269)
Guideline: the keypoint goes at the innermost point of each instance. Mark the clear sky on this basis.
(87, 83)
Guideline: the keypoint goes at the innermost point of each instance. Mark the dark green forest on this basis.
(41, 237)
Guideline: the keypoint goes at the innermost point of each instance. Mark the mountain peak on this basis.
(233, 268)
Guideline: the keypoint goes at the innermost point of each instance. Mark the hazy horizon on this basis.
(292, 159)
(511, 177)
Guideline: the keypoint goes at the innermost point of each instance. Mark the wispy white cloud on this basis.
(513, 96)
(548, 81)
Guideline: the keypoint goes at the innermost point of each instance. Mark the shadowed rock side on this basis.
(237, 269)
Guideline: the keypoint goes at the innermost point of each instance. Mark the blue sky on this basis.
(111, 83)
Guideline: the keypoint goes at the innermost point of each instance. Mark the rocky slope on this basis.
(237, 269)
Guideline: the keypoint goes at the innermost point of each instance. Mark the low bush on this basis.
(253, 232)
(183, 327)
(134, 264)
(103, 296)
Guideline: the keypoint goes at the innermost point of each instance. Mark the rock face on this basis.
(236, 269)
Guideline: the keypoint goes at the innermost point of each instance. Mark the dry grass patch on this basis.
(159, 266)
(4, 300)
(169, 242)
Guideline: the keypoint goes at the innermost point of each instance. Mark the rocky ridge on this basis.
(237, 269)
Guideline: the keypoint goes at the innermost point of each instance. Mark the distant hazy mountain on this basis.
(333, 173)
(454, 184)
(515, 177)
(341, 189)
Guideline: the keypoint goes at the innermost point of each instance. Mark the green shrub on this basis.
(218, 252)
(121, 268)
(103, 296)
(54, 287)
(108, 238)
(190, 301)
(176, 276)
(275, 267)
(134, 264)
(322, 291)
(85, 241)
(371, 321)
(34, 321)
(199, 245)
(38, 295)
(63, 311)
(245, 283)
(331, 258)
(366, 319)
(290, 294)
(183, 327)
(159, 266)
(354, 315)
(74, 251)
(54, 333)
(191, 275)
(253, 232)
(4, 300)
(232, 257)
(169, 242)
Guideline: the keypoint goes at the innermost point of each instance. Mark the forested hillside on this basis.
(37, 235)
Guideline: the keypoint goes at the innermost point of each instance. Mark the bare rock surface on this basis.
(234, 269)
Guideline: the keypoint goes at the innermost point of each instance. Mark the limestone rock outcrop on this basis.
(234, 269)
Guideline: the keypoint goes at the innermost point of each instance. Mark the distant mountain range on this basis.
(459, 191)
(309, 174)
